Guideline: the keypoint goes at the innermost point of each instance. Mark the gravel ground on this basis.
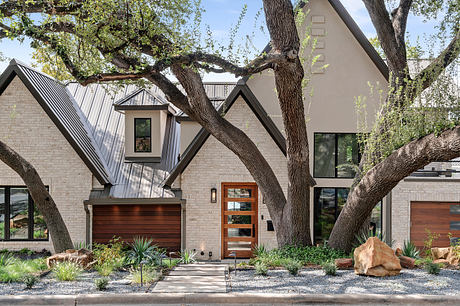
(347, 282)
(119, 283)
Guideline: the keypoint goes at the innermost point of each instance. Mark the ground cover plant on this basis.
(306, 255)
(30, 280)
(261, 268)
(14, 269)
(329, 268)
(149, 275)
(170, 263)
(67, 271)
(293, 266)
(101, 283)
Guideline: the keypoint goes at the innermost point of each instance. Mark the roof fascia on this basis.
(6, 78)
(245, 92)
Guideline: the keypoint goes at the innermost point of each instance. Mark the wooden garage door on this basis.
(439, 217)
(158, 222)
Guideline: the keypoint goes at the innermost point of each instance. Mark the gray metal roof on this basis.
(63, 111)
(132, 179)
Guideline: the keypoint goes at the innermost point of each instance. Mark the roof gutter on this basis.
(133, 201)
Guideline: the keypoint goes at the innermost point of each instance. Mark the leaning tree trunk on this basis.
(383, 177)
(42, 199)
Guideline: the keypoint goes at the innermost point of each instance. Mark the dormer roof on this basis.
(143, 99)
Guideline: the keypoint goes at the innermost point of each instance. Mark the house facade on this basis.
(124, 162)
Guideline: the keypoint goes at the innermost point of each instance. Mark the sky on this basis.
(221, 16)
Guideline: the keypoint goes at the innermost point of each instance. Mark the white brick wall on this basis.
(430, 190)
(215, 164)
(27, 129)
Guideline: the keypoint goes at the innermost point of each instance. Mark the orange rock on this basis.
(441, 261)
(440, 253)
(344, 263)
(83, 257)
(398, 252)
(407, 262)
(376, 258)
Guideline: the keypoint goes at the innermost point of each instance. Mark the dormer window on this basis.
(142, 135)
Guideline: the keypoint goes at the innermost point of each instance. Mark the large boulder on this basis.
(83, 257)
(440, 253)
(407, 262)
(445, 255)
(375, 258)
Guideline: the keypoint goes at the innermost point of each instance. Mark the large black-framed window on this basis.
(142, 135)
(19, 218)
(328, 202)
(335, 154)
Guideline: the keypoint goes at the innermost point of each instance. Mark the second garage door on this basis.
(438, 217)
(161, 223)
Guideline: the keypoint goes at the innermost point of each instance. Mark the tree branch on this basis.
(428, 75)
(399, 23)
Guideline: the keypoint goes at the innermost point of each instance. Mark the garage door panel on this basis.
(435, 216)
(161, 223)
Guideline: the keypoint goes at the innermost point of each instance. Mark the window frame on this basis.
(135, 137)
(336, 154)
(30, 211)
(336, 213)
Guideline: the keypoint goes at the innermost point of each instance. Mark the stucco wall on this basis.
(28, 130)
(332, 107)
(418, 189)
(215, 164)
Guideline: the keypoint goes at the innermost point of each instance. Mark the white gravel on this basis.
(118, 283)
(347, 282)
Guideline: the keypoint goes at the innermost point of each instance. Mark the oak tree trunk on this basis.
(383, 177)
(42, 199)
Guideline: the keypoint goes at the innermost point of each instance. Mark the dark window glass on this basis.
(239, 206)
(455, 225)
(239, 192)
(16, 211)
(142, 135)
(2, 213)
(329, 203)
(347, 155)
(454, 209)
(19, 213)
(324, 155)
(335, 155)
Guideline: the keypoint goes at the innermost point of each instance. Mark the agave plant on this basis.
(364, 235)
(410, 250)
(142, 249)
(259, 250)
(187, 257)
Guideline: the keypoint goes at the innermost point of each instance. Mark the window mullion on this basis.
(336, 154)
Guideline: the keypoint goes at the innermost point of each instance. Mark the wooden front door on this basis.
(239, 219)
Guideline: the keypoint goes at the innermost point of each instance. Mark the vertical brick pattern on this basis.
(215, 164)
(408, 191)
(28, 130)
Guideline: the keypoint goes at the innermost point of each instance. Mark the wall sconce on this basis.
(213, 195)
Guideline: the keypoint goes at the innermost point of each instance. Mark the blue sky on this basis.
(221, 15)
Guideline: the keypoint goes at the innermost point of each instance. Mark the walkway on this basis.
(194, 278)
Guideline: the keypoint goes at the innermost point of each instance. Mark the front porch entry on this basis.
(239, 219)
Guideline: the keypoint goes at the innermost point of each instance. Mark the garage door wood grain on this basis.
(161, 223)
(435, 216)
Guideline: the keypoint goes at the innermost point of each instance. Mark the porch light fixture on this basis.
(213, 195)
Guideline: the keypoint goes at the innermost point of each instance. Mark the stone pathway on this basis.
(194, 278)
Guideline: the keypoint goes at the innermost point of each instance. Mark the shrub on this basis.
(26, 251)
(293, 266)
(111, 252)
(5, 259)
(261, 268)
(329, 268)
(242, 264)
(67, 271)
(304, 254)
(187, 257)
(410, 250)
(143, 249)
(101, 283)
(432, 268)
(29, 280)
(170, 263)
(105, 269)
(149, 275)
(428, 242)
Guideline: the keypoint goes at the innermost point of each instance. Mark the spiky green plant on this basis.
(142, 250)
(410, 250)
(67, 271)
(187, 257)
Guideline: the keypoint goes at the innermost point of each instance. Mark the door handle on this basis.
(253, 230)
